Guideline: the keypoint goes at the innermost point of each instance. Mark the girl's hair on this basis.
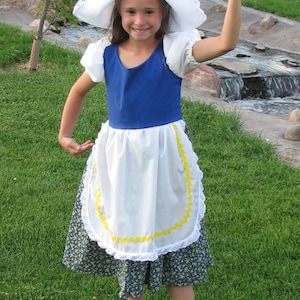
(119, 35)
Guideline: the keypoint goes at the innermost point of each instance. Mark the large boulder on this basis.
(203, 78)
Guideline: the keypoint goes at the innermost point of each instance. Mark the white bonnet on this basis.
(185, 15)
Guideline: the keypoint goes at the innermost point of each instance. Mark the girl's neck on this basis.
(134, 53)
(139, 46)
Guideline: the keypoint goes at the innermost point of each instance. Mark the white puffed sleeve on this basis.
(92, 59)
(178, 50)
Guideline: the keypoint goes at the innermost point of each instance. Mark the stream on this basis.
(273, 90)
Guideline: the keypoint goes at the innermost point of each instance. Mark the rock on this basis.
(260, 47)
(291, 63)
(4, 8)
(296, 41)
(203, 78)
(233, 65)
(263, 25)
(295, 115)
(242, 55)
(36, 23)
(219, 8)
(293, 134)
(84, 41)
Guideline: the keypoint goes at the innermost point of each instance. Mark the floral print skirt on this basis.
(184, 267)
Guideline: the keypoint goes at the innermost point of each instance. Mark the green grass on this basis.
(285, 8)
(253, 202)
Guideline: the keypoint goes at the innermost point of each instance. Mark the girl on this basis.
(140, 206)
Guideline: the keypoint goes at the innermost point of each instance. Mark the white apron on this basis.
(142, 193)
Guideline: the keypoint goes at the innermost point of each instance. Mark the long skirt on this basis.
(184, 267)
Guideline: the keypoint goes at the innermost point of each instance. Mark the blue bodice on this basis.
(144, 96)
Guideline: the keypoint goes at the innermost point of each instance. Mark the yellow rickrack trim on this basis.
(162, 233)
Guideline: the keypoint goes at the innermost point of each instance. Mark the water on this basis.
(74, 33)
(280, 107)
(275, 90)
(276, 96)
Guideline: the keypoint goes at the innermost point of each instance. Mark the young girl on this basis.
(140, 206)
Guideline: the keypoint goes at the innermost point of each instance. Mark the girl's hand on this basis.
(70, 145)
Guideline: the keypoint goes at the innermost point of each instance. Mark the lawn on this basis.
(285, 8)
(253, 202)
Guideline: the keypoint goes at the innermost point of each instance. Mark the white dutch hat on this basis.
(185, 15)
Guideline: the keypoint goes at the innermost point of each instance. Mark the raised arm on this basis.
(210, 48)
(71, 113)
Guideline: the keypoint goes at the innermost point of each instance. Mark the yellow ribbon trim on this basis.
(162, 233)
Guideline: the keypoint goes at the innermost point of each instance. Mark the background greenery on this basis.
(285, 8)
(253, 201)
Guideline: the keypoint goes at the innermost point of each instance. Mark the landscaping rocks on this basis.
(293, 134)
(263, 25)
(203, 78)
(295, 115)
(234, 65)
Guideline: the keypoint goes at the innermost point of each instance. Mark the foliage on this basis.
(59, 12)
(285, 8)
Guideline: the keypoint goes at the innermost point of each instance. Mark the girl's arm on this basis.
(210, 48)
(71, 113)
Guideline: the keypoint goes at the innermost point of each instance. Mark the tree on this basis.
(36, 45)
(54, 11)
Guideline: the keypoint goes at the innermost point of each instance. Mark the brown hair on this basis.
(119, 35)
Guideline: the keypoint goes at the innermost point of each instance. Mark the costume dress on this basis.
(140, 206)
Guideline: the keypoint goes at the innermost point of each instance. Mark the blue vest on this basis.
(144, 96)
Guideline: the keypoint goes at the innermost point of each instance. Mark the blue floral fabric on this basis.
(184, 267)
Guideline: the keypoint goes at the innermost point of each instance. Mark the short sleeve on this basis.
(178, 50)
(92, 59)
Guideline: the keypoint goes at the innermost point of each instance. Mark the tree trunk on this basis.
(36, 45)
